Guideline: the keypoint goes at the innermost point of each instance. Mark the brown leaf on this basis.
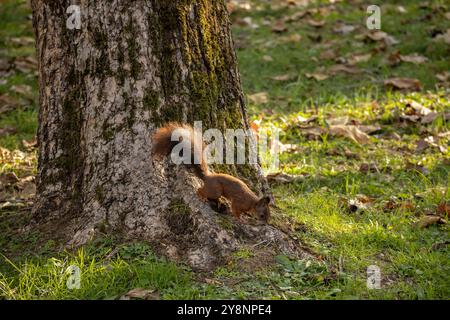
(403, 83)
(382, 36)
(280, 177)
(416, 167)
(429, 220)
(359, 203)
(339, 121)
(394, 203)
(355, 59)
(316, 23)
(22, 41)
(26, 64)
(248, 22)
(30, 144)
(279, 26)
(259, 98)
(6, 131)
(443, 209)
(27, 188)
(422, 145)
(394, 58)
(7, 179)
(22, 89)
(8, 103)
(369, 128)
(291, 38)
(417, 108)
(432, 141)
(315, 37)
(414, 58)
(288, 147)
(429, 117)
(140, 293)
(297, 16)
(444, 37)
(443, 77)
(343, 28)
(312, 133)
(352, 132)
(267, 58)
(329, 54)
(337, 68)
(4, 64)
(368, 167)
(317, 76)
(282, 77)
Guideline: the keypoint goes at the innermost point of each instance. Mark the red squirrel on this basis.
(215, 185)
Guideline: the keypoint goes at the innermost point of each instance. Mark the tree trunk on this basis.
(132, 66)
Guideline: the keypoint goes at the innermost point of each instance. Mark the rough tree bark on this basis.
(131, 67)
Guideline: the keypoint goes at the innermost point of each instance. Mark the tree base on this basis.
(186, 230)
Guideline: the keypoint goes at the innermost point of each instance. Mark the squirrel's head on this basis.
(262, 209)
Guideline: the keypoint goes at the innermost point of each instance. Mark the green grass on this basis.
(414, 262)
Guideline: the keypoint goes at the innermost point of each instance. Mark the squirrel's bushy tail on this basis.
(163, 145)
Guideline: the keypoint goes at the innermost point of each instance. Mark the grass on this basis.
(413, 261)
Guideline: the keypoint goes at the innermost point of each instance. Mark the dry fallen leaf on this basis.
(302, 120)
(140, 293)
(430, 117)
(259, 98)
(337, 68)
(352, 132)
(429, 220)
(22, 89)
(344, 28)
(444, 37)
(416, 167)
(22, 41)
(395, 203)
(279, 26)
(382, 36)
(267, 58)
(338, 121)
(355, 59)
(369, 128)
(315, 23)
(443, 77)
(317, 76)
(280, 177)
(7, 179)
(328, 54)
(422, 145)
(282, 77)
(359, 203)
(413, 58)
(26, 64)
(297, 16)
(8, 103)
(368, 167)
(291, 38)
(30, 144)
(443, 209)
(248, 22)
(403, 84)
(312, 133)
(6, 131)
